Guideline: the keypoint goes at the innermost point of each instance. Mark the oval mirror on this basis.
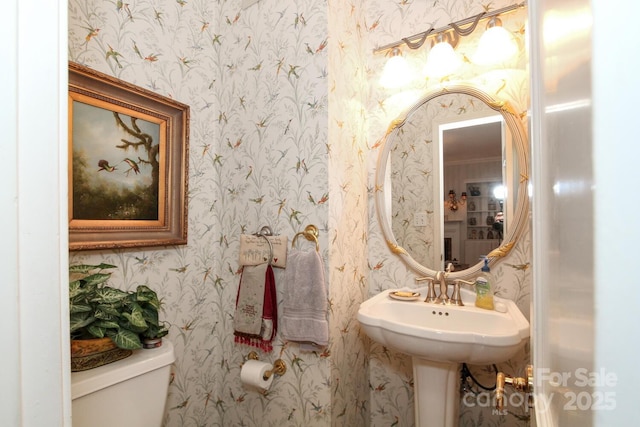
(452, 181)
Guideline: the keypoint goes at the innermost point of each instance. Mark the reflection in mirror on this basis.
(472, 172)
(439, 171)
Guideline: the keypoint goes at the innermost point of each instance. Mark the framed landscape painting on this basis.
(128, 153)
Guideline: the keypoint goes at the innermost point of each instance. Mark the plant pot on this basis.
(92, 353)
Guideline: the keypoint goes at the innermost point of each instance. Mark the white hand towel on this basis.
(304, 313)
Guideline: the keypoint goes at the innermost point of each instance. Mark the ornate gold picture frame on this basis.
(128, 164)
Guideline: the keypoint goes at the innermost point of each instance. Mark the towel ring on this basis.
(310, 233)
(264, 232)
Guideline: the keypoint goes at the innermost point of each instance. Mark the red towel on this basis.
(269, 324)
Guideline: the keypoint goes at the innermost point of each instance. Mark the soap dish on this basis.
(404, 295)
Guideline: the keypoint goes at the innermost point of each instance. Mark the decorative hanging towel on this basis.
(256, 318)
(304, 312)
(256, 250)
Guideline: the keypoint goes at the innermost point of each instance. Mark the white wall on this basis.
(33, 308)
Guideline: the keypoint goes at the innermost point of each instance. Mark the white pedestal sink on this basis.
(439, 338)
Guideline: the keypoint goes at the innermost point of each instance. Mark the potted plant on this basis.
(103, 315)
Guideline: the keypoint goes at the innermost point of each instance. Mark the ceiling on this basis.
(472, 143)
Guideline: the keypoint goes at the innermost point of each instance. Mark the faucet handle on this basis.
(456, 299)
(465, 282)
(431, 292)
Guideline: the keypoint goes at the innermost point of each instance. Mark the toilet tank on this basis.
(128, 393)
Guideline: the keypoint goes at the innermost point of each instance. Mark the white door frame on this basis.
(33, 214)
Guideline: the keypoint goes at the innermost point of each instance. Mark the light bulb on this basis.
(396, 72)
(442, 60)
(496, 45)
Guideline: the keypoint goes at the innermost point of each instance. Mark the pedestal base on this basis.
(436, 393)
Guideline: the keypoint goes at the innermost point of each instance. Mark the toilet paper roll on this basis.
(253, 372)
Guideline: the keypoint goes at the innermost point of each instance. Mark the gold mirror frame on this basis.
(521, 212)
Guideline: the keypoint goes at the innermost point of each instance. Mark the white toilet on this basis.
(128, 393)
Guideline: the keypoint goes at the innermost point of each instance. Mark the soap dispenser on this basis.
(484, 282)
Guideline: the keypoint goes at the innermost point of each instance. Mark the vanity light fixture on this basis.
(452, 203)
(496, 44)
(453, 31)
(396, 72)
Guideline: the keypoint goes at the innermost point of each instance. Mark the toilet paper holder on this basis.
(279, 367)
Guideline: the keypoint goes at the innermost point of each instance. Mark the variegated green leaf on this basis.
(136, 318)
(78, 321)
(86, 268)
(109, 295)
(151, 316)
(79, 308)
(107, 312)
(96, 331)
(106, 324)
(127, 340)
(96, 279)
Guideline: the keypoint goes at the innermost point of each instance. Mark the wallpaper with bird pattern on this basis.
(287, 119)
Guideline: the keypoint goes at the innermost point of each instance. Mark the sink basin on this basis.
(439, 338)
(445, 333)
